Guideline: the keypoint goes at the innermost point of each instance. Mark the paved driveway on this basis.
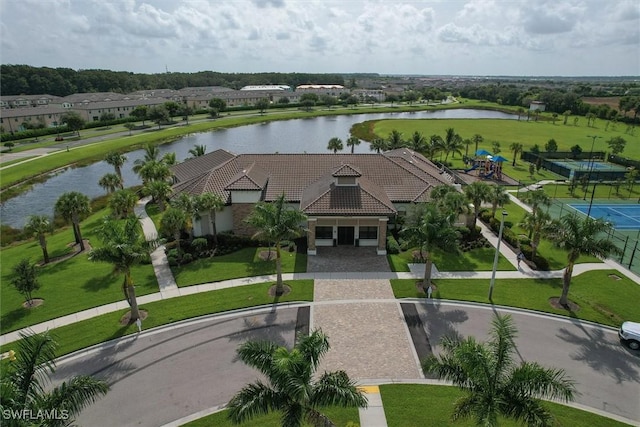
(347, 259)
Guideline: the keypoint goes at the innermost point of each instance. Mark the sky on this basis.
(446, 37)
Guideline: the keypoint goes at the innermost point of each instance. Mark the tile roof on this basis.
(196, 166)
(346, 170)
(251, 178)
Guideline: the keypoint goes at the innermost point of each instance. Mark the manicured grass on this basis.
(242, 263)
(107, 327)
(340, 417)
(67, 286)
(480, 259)
(601, 299)
(432, 405)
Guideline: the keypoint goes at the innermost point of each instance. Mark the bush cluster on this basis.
(392, 245)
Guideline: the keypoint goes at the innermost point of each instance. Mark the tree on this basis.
(576, 150)
(141, 112)
(198, 150)
(122, 203)
(495, 145)
(291, 388)
(520, 112)
(551, 146)
(452, 143)
(107, 117)
(110, 182)
(391, 98)
(580, 237)
(395, 140)
(631, 177)
(276, 222)
(494, 384)
(262, 105)
(187, 204)
(417, 142)
(211, 203)
(25, 279)
(430, 228)
(516, 147)
(217, 106)
(566, 115)
(617, 144)
(328, 100)
(39, 226)
(554, 117)
(73, 120)
(536, 224)
(477, 193)
(129, 126)
(124, 246)
(352, 142)
(378, 145)
(73, 206)
(25, 387)
(467, 142)
(117, 160)
(335, 145)
(185, 111)
(498, 196)
(159, 191)
(536, 199)
(172, 223)
(173, 108)
(158, 115)
(477, 139)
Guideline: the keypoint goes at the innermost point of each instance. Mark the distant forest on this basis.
(28, 80)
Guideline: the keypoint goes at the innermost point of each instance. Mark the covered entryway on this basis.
(347, 259)
(346, 236)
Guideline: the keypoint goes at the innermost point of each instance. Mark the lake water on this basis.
(287, 136)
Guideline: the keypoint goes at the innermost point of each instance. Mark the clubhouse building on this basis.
(348, 198)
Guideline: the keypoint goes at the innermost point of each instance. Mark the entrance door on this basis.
(346, 235)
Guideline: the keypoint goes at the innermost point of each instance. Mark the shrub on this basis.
(392, 245)
(187, 258)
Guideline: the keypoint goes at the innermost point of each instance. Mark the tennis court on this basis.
(623, 217)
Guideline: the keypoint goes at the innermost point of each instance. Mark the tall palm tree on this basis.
(39, 226)
(430, 229)
(417, 142)
(516, 147)
(580, 237)
(154, 171)
(210, 203)
(494, 383)
(122, 203)
(170, 159)
(536, 199)
(378, 145)
(335, 145)
(151, 154)
(537, 225)
(291, 388)
(172, 223)
(110, 182)
(352, 142)
(187, 204)
(198, 150)
(452, 145)
(123, 245)
(276, 222)
(117, 160)
(434, 146)
(477, 139)
(467, 142)
(24, 384)
(395, 140)
(477, 193)
(498, 198)
(73, 206)
(159, 191)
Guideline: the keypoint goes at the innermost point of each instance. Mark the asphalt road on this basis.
(162, 376)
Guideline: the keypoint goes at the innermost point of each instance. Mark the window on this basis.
(324, 232)
(368, 232)
(346, 180)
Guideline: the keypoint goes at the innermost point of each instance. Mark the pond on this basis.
(287, 136)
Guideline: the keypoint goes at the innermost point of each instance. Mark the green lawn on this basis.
(107, 327)
(601, 299)
(242, 263)
(475, 260)
(340, 417)
(419, 405)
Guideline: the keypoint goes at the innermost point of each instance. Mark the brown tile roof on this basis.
(346, 170)
(196, 166)
(251, 178)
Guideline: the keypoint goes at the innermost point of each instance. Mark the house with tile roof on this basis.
(348, 198)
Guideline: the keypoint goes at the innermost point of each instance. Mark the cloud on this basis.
(551, 17)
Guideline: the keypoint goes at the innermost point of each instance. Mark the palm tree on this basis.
(516, 147)
(395, 140)
(276, 222)
(430, 229)
(378, 145)
(39, 225)
(154, 171)
(477, 193)
(291, 388)
(537, 225)
(110, 182)
(170, 159)
(211, 203)
(452, 144)
(24, 384)
(172, 223)
(434, 146)
(72, 206)
(494, 383)
(122, 203)
(117, 160)
(580, 237)
(159, 191)
(467, 142)
(352, 142)
(536, 199)
(151, 154)
(498, 197)
(187, 204)
(335, 144)
(417, 142)
(477, 139)
(124, 246)
(198, 150)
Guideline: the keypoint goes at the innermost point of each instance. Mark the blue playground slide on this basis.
(489, 175)
(474, 167)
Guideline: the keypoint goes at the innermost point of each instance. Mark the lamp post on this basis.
(495, 258)
(593, 141)
(592, 194)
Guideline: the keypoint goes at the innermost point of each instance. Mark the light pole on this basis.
(495, 258)
(593, 141)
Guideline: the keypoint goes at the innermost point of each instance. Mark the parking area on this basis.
(346, 259)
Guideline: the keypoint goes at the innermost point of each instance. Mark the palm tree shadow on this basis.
(98, 284)
(264, 327)
(440, 324)
(597, 352)
(13, 317)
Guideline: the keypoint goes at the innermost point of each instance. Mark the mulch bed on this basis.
(33, 303)
(126, 318)
(267, 255)
(571, 306)
(422, 289)
(272, 290)
(76, 251)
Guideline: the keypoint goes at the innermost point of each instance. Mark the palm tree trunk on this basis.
(566, 282)
(213, 228)
(279, 284)
(76, 224)
(43, 245)
(427, 271)
(130, 292)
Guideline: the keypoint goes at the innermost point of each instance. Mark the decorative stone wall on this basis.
(311, 234)
(382, 235)
(240, 212)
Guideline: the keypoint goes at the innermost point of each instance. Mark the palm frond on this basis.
(337, 389)
(254, 400)
(73, 396)
(34, 361)
(258, 355)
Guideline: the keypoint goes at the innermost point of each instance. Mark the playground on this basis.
(487, 167)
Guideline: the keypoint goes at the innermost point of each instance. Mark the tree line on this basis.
(28, 80)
